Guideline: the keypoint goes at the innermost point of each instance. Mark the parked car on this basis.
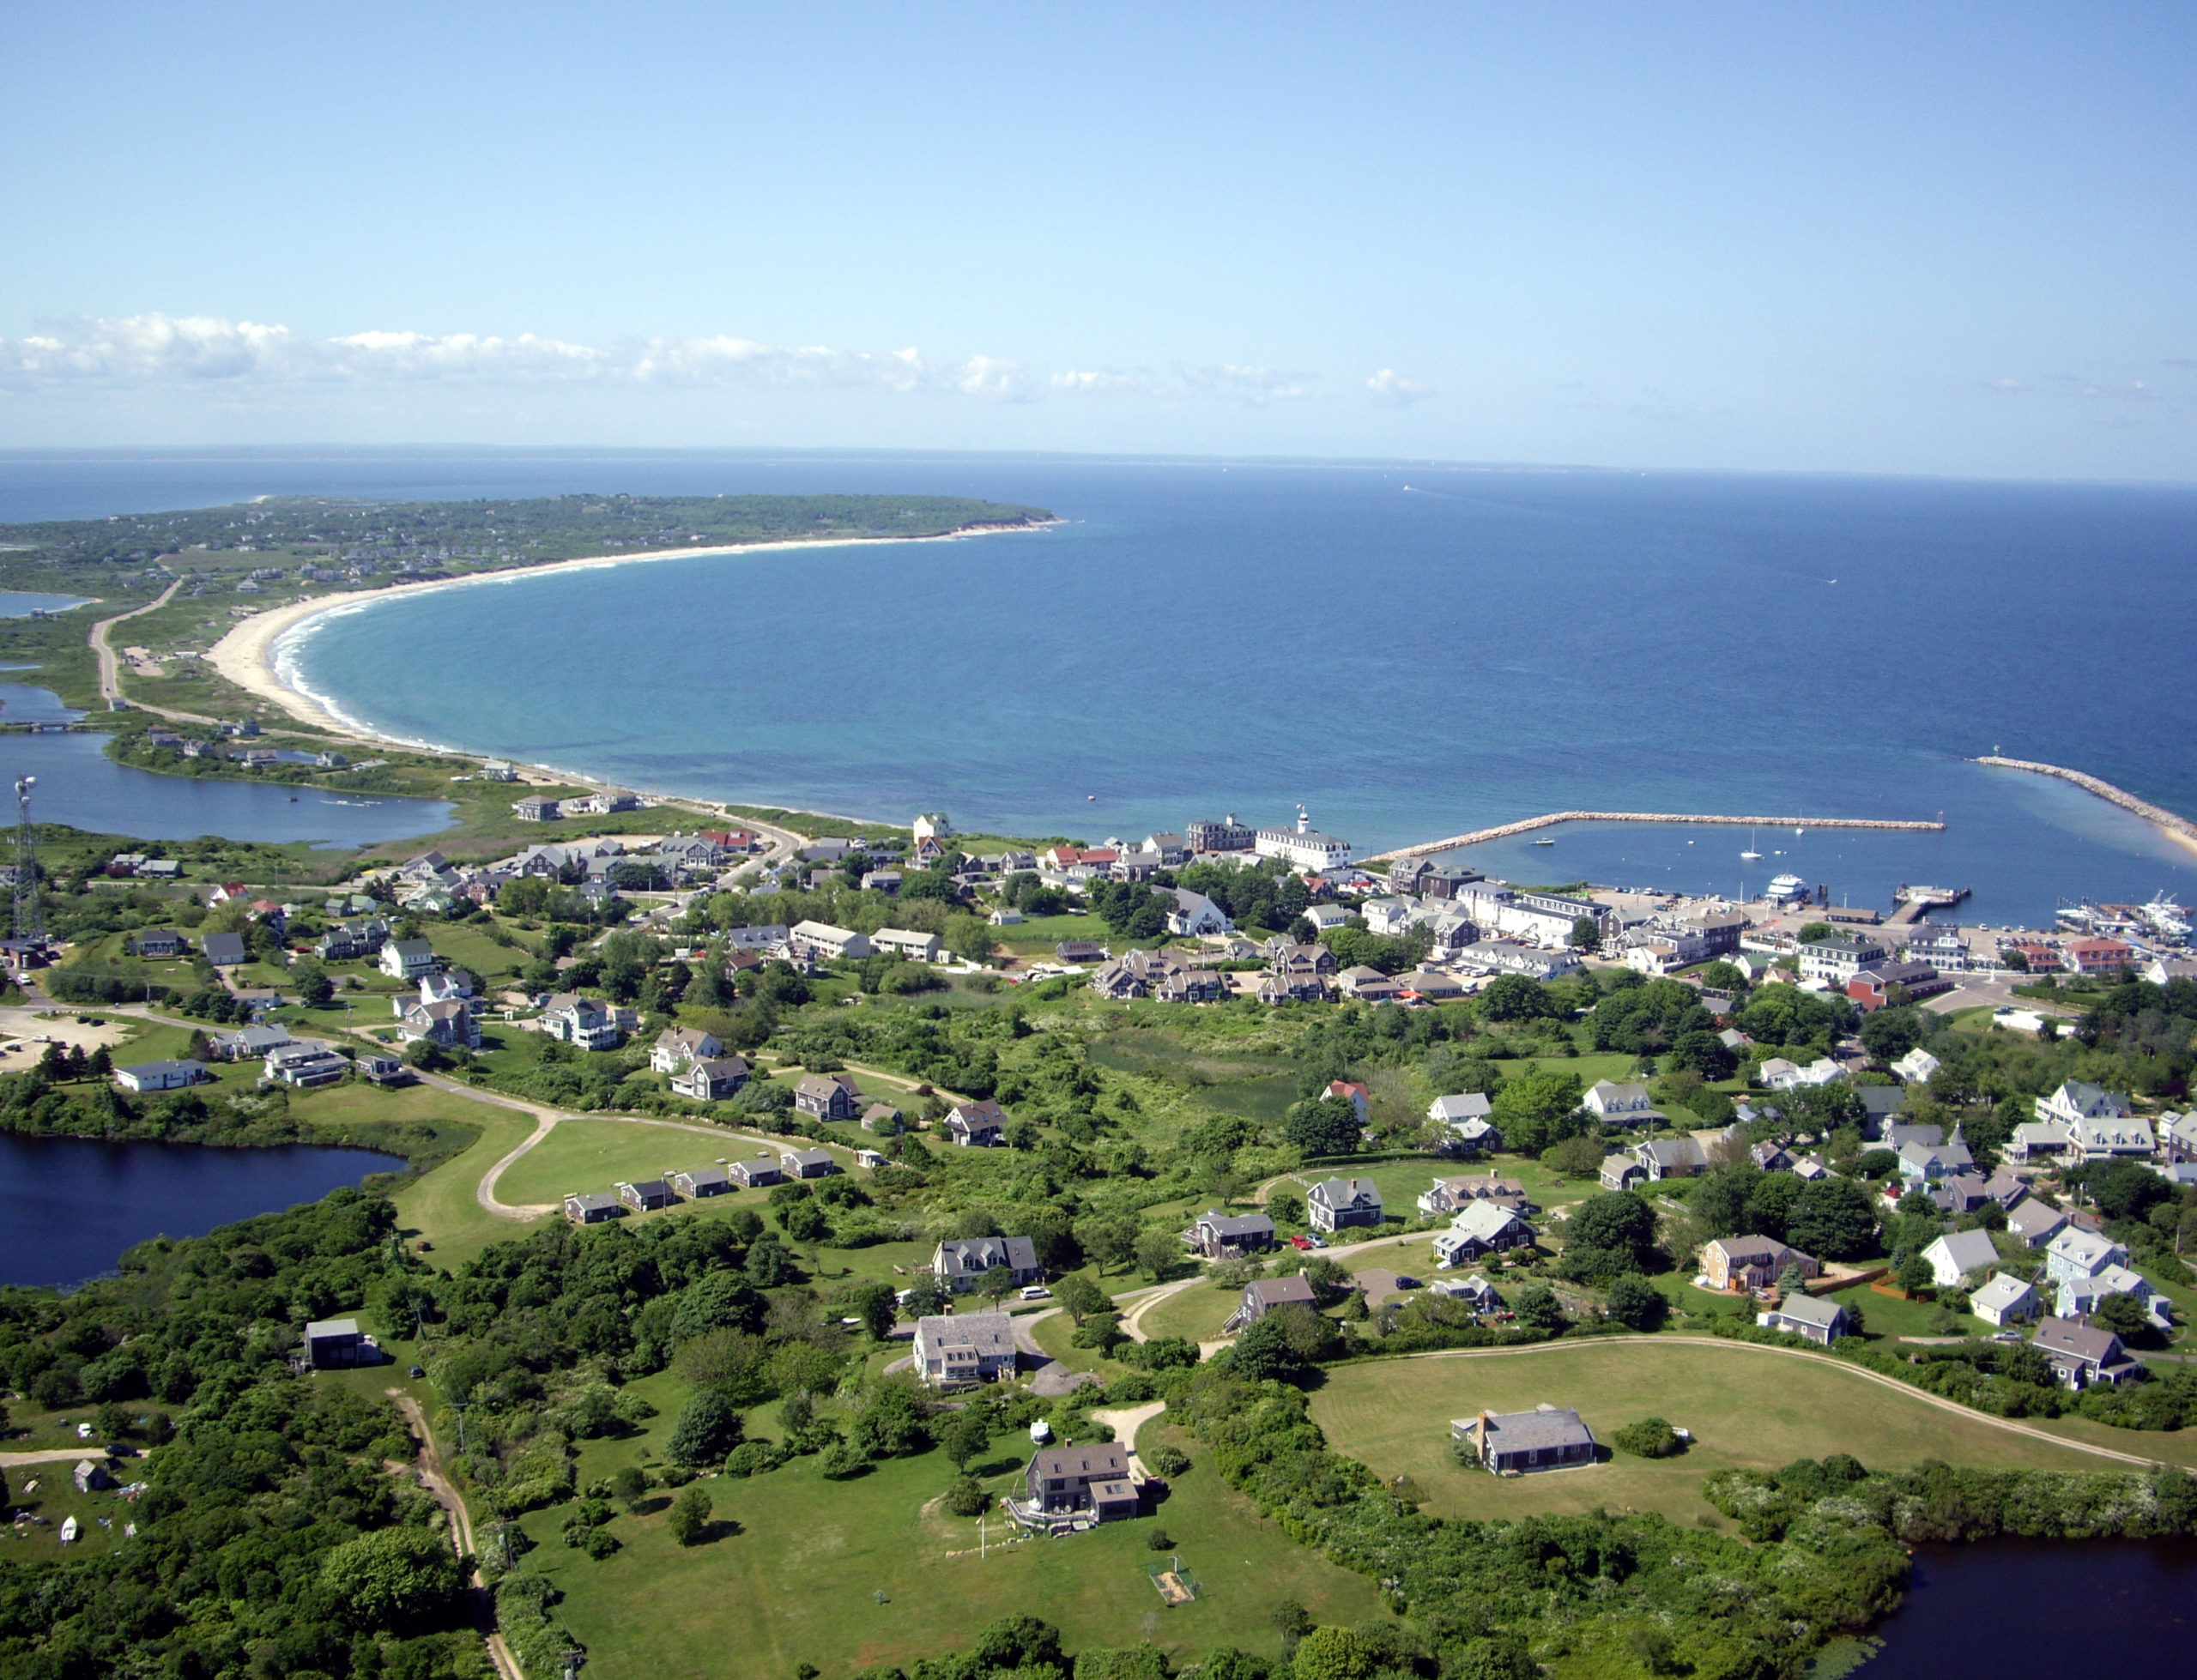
(1304, 1243)
(1408, 1283)
(1037, 1292)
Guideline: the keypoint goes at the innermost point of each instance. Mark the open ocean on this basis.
(1410, 651)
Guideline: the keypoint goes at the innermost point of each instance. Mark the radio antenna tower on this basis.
(29, 918)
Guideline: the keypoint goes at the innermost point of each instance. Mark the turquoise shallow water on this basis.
(1410, 651)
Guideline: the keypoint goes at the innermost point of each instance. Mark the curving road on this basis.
(110, 673)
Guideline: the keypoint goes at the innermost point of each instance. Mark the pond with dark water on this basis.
(70, 1206)
(2017, 1609)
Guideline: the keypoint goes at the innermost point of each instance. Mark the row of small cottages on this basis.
(648, 1195)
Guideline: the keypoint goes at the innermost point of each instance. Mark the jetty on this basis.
(1505, 830)
(2173, 826)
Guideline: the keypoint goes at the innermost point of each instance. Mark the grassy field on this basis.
(1747, 1406)
(594, 1154)
(857, 1574)
(440, 1204)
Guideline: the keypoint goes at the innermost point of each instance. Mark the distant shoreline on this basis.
(246, 654)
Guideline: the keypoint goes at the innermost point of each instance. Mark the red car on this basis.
(1304, 1243)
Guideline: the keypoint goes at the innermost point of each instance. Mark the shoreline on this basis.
(245, 653)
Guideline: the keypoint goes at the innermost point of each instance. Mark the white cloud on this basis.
(155, 349)
(1391, 387)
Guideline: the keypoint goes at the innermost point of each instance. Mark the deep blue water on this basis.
(2030, 1610)
(13, 604)
(70, 1206)
(1411, 651)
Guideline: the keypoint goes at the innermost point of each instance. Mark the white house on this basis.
(677, 1046)
(932, 826)
(2039, 1139)
(1957, 1254)
(590, 1024)
(408, 960)
(2125, 1138)
(916, 946)
(821, 939)
(1917, 1065)
(1779, 1074)
(1303, 847)
(1387, 916)
(2005, 1300)
(2078, 1296)
(1197, 916)
(1614, 1103)
(2078, 1100)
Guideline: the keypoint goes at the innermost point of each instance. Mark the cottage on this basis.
(1480, 1230)
(1957, 1254)
(1230, 1236)
(304, 1065)
(448, 1023)
(1262, 1294)
(159, 942)
(711, 1078)
(808, 1162)
(964, 1348)
(1819, 1320)
(756, 1171)
(2083, 1356)
(2039, 1139)
(383, 1070)
(1749, 1263)
(1335, 1204)
(884, 1120)
(1091, 1481)
(591, 1208)
(1475, 1292)
(249, 1043)
(702, 1181)
(1196, 915)
(336, 1343)
(536, 809)
(827, 1096)
(647, 1196)
(976, 1125)
(1917, 1065)
(675, 1047)
(962, 1263)
(1670, 1157)
(160, 1075)
(2005, 1300)
(1079, 950)
(1514, 1443)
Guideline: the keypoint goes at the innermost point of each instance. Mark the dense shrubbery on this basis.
(271, 1539)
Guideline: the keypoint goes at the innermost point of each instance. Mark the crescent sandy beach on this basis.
(245, 655)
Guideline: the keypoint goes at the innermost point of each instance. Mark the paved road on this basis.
(109, 676)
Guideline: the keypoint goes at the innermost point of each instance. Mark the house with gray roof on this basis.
(1073, 1480)
(2034, 1222)
(1547, 1438)
(757, 1171)
(952, 1350)
(591, 1208)
(827, 1096)
(160, 1075)
(1262, 1294)
(702, 1181)
(1821, 1321)
(1480, 1230)
(2005, 1300)
(224, 950)
(961, 1262)
(1335, 1204)
(647, 1196)
(808, 1162)
(2082, 1355)
(1228, 1236)
(711, 1078)
(1957, 1254)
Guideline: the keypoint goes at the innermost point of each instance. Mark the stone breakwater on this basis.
(2174, 827)
(1525, 825)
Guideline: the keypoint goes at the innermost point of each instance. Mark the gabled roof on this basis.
(1967, 1251)
(2064, 1337)
(1809, 1309)
(1484, 1220)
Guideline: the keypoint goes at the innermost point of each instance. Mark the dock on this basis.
(1917, 902)
(1505, 830)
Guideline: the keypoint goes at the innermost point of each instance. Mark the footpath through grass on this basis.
(1747, 1406)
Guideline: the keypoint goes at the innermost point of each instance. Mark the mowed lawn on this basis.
(595, 1154)
(1747, 1405)
(441, 1205)
(801, 1582)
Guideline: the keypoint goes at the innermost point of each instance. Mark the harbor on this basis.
(1527, 825)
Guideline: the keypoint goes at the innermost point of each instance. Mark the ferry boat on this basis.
(2166, 914)
(1786, 890)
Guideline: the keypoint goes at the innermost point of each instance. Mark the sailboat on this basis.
(1751, 855)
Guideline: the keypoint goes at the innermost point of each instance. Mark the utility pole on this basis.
(30, 919)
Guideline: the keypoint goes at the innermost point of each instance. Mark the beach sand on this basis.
(244, 655)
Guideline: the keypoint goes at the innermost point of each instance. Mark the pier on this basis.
(1917, 902)
(1505, 830)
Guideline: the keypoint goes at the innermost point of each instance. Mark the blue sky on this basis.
(1906, 238)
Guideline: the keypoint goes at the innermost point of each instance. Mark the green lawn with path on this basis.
(583, 1154)
(1747, 1406)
